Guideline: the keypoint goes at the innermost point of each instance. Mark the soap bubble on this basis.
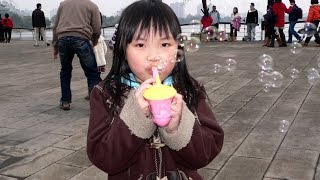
(294, 73)
(266, 62)
(267, 87)
(313, 76)
(276, 79)
(309, 29)
(192, 45)
(161, 67)
(222, 36)
(177, 55)
(295, 48)
(216, 68)
(230, 64)
(158, 62)
(314, 80)
(209, 33)
(194, 23)
(182, 39)
(312, 72)
(284, 125)
(263, 77)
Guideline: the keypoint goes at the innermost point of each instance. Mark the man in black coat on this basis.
(252, 22)
(1, 30)
(39, 25)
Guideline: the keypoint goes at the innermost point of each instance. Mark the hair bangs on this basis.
(150, 14)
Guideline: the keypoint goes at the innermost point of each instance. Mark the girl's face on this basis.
(151, 50)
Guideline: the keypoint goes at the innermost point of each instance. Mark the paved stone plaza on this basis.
(38, 141)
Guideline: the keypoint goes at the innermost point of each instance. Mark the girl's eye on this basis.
(165, 44)
(140, 45)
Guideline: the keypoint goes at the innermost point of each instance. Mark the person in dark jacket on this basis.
(269, 24)
(252, 22)
(39, 25)
(1, 30)
(293, 18)
(123, 139)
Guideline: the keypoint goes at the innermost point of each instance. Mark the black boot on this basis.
(272, 41)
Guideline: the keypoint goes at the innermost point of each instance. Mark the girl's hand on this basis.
(144, 105)
(176, 111)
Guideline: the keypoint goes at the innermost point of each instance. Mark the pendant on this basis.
(164, 178)
(157, 143)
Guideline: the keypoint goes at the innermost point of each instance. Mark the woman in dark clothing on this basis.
(1, 30)
(269, 24)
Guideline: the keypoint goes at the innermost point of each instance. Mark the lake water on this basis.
(108, 32)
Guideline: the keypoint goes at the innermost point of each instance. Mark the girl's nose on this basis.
(153, 58)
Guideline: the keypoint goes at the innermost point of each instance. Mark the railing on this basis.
(107, 31)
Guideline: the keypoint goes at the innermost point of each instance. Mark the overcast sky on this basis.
(110, 7)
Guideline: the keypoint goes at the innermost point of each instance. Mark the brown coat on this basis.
(120, 145)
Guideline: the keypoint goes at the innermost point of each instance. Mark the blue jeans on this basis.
(68, 46)
(292, 31)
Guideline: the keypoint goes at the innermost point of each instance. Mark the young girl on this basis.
(235, 24)
(123, 140)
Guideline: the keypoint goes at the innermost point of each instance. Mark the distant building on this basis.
(178, 8)
(53, 12)
(8, 5)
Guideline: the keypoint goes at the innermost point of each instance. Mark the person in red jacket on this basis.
(206, 21)
(279, 9)
(123, 139)
(313, 17)
(8, 26)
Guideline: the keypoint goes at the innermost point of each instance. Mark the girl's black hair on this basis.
(314, 2)
(141, 16)
(235, 8)
(270, 4)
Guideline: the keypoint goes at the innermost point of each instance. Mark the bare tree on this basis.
(205, 9)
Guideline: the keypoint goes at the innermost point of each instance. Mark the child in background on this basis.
(235, 24)
(100, 52)
(123, 140)
(206, 21)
